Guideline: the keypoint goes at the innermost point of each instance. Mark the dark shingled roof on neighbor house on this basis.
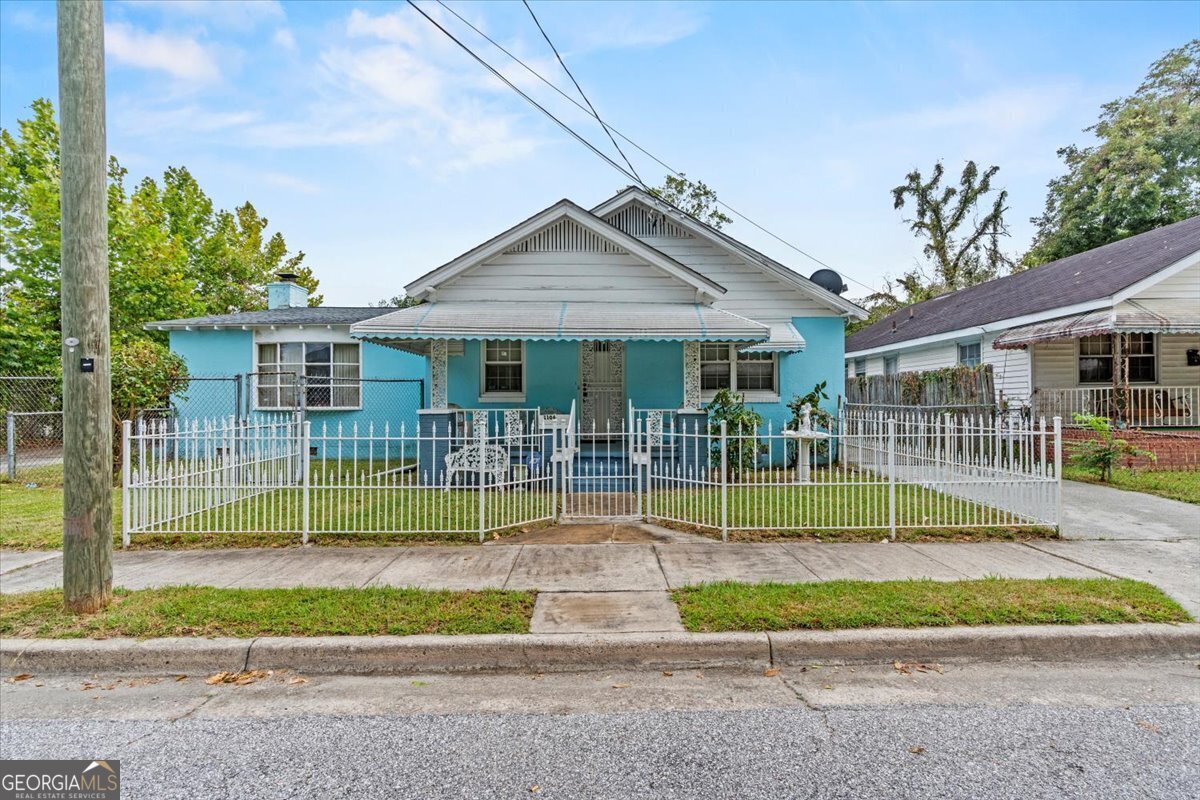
(1091, 275)
(303, 315)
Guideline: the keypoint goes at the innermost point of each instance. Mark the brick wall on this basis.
(1174, 450)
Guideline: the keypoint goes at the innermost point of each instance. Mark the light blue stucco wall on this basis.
(654, 372)
(823, 359)
(231, 353)
(551, 376)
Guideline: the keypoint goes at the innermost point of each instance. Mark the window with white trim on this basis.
(860, 367)
(331, 371)
(970, 355)
(503, 368)
(1141, 358)
(891, 365)
(723, 367)
(1097, 358)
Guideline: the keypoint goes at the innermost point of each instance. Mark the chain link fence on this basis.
(31, 439)
(32, 418)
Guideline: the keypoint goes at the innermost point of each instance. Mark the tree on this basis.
(399, 301)
(1143, 172)
(962, 247)
(145, 375)
(694, 197)
(171, 252)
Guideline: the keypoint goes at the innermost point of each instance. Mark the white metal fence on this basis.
(870, 472)
(285, 476)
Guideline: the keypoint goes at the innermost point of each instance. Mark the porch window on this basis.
(1095, 359)
(891, 365)
(504, 368)
(723, 367)
(860, 367)
(1141, 358)
(331, 372)
(970, 355)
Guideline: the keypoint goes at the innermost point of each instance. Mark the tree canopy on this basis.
(171, 252)
(961, 225)
(694, 197)
(1143, 172)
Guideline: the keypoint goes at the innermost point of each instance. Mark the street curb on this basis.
(396, 655)
(987, 643)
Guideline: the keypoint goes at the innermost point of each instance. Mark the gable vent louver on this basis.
(638, 221)
(564, 236)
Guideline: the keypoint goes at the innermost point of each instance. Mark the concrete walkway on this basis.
(591, 588)
(1102, 512)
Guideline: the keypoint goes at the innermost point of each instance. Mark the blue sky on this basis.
(381, 150)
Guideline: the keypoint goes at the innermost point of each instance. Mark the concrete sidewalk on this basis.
(597, 588)
(1091, 511)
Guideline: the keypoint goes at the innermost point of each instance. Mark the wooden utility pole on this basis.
(87, 379)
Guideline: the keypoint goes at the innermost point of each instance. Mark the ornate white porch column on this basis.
(437, 372)
(691, 375)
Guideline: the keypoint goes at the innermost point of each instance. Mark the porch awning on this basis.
(561, 321)
(1164, 316)
(784, 339)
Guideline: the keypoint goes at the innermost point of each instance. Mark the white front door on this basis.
(602, 386)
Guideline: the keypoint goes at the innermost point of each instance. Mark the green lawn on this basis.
(840, 505)
(31, 519)
(242, 613)
(1181, 485)
(924, 603)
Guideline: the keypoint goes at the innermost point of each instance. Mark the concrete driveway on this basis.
(1101, 512)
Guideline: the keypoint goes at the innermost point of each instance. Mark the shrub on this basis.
(1102, 453)
(741, 428)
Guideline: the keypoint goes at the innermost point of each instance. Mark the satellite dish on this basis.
(829, 280)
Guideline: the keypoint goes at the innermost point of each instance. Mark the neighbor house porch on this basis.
(1139, 368)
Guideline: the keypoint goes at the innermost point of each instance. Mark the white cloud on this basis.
(284, 38)
(620, 25)
(144, 120)
(182, 57)
(1006, 111)
(285, 181)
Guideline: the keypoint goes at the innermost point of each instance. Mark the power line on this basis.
(514, 87)
(579, 88)
(607, 127)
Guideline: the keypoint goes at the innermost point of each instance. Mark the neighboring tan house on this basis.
(1057, 335)
(630, 304)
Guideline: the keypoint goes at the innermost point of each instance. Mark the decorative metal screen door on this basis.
(602, 387)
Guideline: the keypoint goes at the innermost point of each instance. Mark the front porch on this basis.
(1136, 406)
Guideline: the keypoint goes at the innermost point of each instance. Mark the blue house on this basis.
(630, 307)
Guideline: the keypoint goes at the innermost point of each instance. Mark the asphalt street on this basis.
(1019, 731)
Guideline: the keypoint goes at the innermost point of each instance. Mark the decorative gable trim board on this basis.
(565, 236)
(427, 284)
(681, 219)
(638, 220)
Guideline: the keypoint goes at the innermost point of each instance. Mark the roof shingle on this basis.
(1091, 275)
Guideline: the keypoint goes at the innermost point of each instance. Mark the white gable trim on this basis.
(426, 286)
(633, 194)
(1190, 260)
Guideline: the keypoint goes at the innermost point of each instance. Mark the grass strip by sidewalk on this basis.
(921, 603)
(243, 613)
